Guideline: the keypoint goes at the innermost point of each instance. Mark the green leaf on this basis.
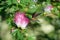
(14, 2)
(30, 38)
(9, 2)
(29, 16)
(32, 8)
(18, 35)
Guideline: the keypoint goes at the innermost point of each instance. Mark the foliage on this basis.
(33, 11)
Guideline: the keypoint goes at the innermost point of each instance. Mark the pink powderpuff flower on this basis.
(21, 20)
(48, 8)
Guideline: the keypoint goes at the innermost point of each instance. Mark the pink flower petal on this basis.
(48, 8)
(21, 20)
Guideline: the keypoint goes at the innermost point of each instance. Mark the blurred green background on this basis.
(43, 25)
